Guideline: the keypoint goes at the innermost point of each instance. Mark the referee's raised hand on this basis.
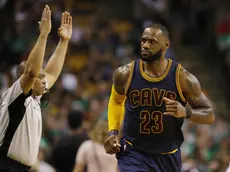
(65, 29)
(45, 23)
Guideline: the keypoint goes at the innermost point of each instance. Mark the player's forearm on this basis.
(35, 59)
(115, 110)
(115, 114)
(202, 115)
(55, 63)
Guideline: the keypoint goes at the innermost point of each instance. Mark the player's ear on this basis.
(167, 44)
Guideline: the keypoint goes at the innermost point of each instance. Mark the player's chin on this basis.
(144, 58)
(145, 55)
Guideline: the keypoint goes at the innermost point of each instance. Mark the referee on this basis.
(20, 105)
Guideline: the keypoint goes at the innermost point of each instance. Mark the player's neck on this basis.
(157, 68)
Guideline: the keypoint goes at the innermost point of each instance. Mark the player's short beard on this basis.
(153, 57)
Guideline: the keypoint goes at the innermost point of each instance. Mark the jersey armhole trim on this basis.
(130, 77)
(178, 83)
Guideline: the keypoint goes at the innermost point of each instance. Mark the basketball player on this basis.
(20, 105)
(153, 91)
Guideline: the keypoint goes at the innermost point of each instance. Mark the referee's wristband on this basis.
(188, 113)
(113, 132)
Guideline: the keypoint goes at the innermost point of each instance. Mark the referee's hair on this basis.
(21, 68)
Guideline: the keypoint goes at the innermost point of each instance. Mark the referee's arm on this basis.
(55, 63)
(35, 60)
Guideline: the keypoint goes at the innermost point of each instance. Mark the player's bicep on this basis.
(193, 93)
(120, 78)
(118, 82)
(197, 102)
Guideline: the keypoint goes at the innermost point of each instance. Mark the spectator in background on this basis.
(228, 170)
(63, 154)
(85, 80)
(92, 154)
(41, 165)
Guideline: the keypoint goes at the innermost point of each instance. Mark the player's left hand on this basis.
(65, 30)
(174, 108)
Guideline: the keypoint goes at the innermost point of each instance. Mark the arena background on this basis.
(106, 34)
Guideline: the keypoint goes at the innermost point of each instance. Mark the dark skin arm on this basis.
(201, 110)
(120, 78)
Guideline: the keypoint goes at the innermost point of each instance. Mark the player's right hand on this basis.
(112, 144)
(45, 23)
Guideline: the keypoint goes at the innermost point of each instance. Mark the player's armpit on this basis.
(115, 110)
(201, 108)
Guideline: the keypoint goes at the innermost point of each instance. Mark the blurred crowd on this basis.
(78, 101)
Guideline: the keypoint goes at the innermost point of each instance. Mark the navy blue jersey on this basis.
(144, 124)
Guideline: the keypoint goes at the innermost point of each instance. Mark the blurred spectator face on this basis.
(94, 105)
(124, 36)
(189, 165)
(214, 165)
(102, 35)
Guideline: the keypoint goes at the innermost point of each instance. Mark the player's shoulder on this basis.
(122, 72)
(121, 77)
(186, 75)
(124, 69)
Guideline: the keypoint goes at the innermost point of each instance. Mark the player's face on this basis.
(40, 85)
(153, 44)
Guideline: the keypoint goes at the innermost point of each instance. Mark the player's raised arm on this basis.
(55, 63)
(34, 62)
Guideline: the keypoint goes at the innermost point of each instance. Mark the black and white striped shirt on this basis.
(20, 125)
